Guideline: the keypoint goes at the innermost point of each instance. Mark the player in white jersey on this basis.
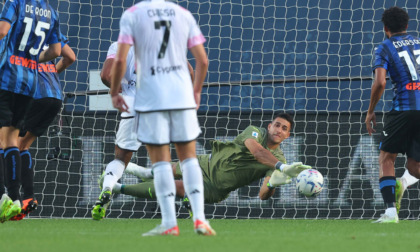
(126, 139)
(166, 100)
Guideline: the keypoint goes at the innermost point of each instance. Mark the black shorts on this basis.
(12, 108)
(40, 115)
(401, 133)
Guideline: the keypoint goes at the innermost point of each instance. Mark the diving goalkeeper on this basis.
(252, 155)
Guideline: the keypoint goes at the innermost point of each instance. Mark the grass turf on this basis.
(232, 235)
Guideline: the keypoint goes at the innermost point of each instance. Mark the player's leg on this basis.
(186, 129)
(387, 183)
(139, 171)
(125, 144)
(146, 190)
(153, 129)
(402, 183)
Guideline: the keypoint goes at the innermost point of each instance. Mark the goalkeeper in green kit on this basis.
(252, 155)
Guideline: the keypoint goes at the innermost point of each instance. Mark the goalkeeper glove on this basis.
(278, 178)
(292, 170)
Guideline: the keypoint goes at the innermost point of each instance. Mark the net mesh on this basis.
(309, 58)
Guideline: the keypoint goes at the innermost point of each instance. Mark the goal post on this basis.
(308, 58)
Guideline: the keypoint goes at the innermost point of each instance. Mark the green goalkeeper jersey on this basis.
(232, 165)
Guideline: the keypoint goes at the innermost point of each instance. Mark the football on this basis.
(310, 182)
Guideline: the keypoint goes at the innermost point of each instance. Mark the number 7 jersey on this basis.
(161, 32)
(33, 23)
(400, 56)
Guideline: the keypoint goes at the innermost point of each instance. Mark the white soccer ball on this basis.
(310, 182)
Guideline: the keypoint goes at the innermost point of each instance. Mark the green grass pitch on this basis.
(122, 235)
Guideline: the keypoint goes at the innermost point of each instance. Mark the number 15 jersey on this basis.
(33, 24)
(400, 56)
(161, 32)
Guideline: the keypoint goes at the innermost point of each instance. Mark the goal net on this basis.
(309, 58)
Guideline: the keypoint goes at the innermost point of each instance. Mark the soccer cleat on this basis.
(387, 219)
(5, 204)
(13, 210)
(203, 228)
(99, 210)
(161, 230)
(187, 205)
(399, 192)
(29, 205)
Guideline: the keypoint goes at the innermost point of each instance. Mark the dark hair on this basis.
(395, 19)
(286, 117)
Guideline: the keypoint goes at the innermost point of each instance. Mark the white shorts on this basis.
(126, 137)
(164, 127)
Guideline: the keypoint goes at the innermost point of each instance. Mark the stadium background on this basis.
(309, 58)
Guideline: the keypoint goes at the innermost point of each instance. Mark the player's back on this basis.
(161, 32)
(33, 23)
(400, 55)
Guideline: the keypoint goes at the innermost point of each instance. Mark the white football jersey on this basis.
(128, 83)
(161, 32)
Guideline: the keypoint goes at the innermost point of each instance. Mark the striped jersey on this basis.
(400, 56)
(49, 85)
(128, 83)
(33, 24)
(161, 33)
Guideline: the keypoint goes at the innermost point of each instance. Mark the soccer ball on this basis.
(310, 182)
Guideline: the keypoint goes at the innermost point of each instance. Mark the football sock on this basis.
(27, 175)
(145, 190)
(193, 184)
(391, 211)
(12, 163)
(113, 172)
(2, 185)
(138, 171)
(165, 192)
(387, 186)
(117, 188)
(408, 180)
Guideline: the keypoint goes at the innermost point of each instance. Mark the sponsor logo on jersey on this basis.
(413, 86)
(21, 61)
(164, 70)
(255, 134)
(47, 68)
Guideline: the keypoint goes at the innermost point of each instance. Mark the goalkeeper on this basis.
(252, 155)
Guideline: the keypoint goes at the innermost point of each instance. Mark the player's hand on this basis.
(292, 170)
(119, 103)
(278, 178)
(370, 119)
(197, 97)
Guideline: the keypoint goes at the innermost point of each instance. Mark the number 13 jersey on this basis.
(400, 56)
(161, 32)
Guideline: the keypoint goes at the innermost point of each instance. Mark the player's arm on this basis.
(378, 88)
(265, 157)
(265, 191)
(201, 65)
(106, 72)
(68, 58)
(4, 29)
(117, 73)
(261, 154)
(190, 68)
(53, 51)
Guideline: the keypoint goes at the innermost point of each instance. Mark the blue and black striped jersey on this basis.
(48, 80)
(33, 24)
(400, 56)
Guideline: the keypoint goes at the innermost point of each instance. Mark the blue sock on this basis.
(387, 186)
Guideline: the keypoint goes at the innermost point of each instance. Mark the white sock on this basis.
(117, 188)
(193, 184)
(113, 172)
(138, 171)
(165, 192)
(408, 180)
(391, 211)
